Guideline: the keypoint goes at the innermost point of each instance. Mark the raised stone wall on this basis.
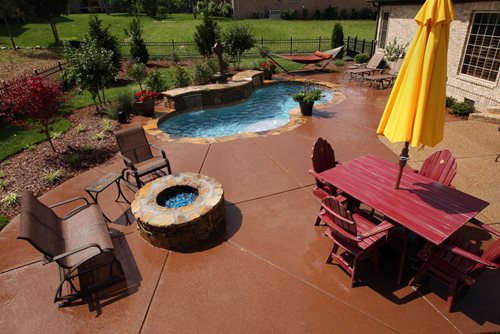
(403, 27)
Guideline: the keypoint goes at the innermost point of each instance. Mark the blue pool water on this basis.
(267, 108)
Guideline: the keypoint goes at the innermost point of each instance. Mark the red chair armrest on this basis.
(473, 257)
(382, 227)
(485, 227)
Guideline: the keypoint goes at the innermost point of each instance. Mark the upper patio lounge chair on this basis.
(440, 166)
(386, 79)
(135, 150)
(79, 243)
(370, 68)
(358, 234)
(460, 262)
(313, 58)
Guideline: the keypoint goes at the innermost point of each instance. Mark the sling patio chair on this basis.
(460, 262)
(313, 58)
(368, 69)
(135, 150)
(358, 234)
(79, 243)
(385, 79)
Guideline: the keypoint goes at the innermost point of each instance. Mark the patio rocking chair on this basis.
(370, 68)
(79, 243)
(135, 150)
(459, 263)
(357, 234)
(440, 166)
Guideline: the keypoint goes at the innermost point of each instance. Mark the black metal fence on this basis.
(51, 72)
(187, 49)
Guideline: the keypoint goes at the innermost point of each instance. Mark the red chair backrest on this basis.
(440, 166)
(344, 229)
(323, 157)
(491, 254)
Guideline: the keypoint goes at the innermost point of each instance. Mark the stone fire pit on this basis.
(179, 210)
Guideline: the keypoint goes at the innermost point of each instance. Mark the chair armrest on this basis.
(127, 161)
(472, 257)
(485, 227)
(69, 201)
(74, 251)
(382, 227)
(159, 149)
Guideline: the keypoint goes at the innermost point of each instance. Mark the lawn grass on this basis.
(3, 221)
(179, 27)
(13, 139)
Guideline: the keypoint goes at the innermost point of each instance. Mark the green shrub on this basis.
(3, 184)
(462, 108)
(383, 64)
(202, 73)
(155, 82)
(9, 199)
(330, 13)
(80, 128)
(99, 136)
(450, 101)
(138, 48)
(237, 39)
(138, 72)
(52, 176)
(395, 50)
(3, 221)
(73, 159)
(338, 38)
(317, 15)
(361, 58)
(56, 134)
(339, 62)
(207, 33)
(124, 101)
(175, 58)
(289, 14)
(103, 38)
(263, 51)
(180, 78)
(106, 125)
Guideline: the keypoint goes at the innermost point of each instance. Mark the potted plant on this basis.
(144, 102)
(306, 98)
(268, 67)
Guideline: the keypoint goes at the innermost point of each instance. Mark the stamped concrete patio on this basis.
(267, 273)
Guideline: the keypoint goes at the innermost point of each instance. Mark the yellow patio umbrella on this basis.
(416, 108)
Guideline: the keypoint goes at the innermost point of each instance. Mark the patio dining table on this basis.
(430, 209)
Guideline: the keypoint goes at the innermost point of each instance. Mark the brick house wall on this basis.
(401, 25)
(246, 8)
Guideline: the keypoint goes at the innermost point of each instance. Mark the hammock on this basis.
(313, 58)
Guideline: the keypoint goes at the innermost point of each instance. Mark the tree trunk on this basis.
(103, 96)
(54, 30)
(47, 133)
(95, 103)
(9, 32)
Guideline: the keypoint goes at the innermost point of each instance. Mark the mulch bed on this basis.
(76, 153)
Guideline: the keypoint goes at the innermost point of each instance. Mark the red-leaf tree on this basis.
(32, 99)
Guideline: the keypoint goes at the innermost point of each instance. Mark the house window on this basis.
(383, 29)
(482, 55)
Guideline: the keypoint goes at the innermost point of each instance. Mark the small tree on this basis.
(138, 48)
(10, 9)
(32, 99)
(103, 38)
(338, 38)
(138, 72)
(91, 68)
(51, 10)
(236, 40)
(206, 34)
(395, 50)
(155, 82)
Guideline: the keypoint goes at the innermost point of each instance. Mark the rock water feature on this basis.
(179, 210)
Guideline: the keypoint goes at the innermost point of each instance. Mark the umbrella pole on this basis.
(403, 158)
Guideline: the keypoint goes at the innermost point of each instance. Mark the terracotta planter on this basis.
(268, 75)
(145, 108)
(306, 108)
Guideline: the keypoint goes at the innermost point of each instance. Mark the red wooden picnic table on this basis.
(429, 209)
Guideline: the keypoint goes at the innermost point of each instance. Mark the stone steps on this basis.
(487, 114)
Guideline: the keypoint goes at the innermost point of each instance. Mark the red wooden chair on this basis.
(459, 263)
(440, 166)
(357, 234)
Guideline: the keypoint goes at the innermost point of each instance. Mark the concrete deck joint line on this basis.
(437, 310)
(204, 158)
(154, 292)
(268, 195)
(19, 267)
(243, 249)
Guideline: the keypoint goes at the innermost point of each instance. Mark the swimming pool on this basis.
(266, 109)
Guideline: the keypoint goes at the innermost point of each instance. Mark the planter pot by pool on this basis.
(268, 75)
(306, 108)
(144, 108)
(179, 210)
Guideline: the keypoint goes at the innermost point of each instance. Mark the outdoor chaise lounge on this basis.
(356, 233)
(135, 150)
(79, 243)
(367, 69)
(385, 79)
(313, 58)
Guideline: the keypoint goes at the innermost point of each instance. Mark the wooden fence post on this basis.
(363, 48)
